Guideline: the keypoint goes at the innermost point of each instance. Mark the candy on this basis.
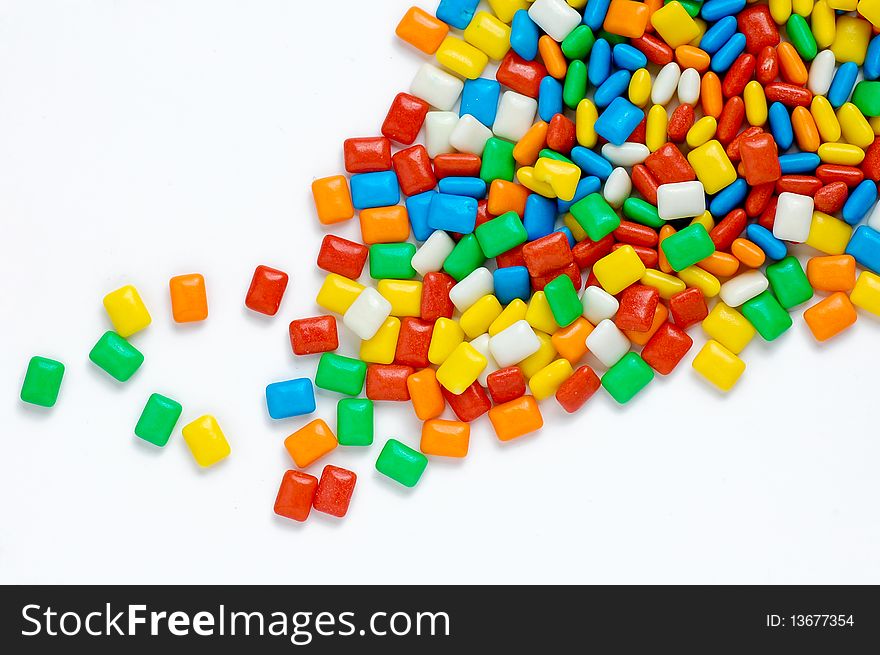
(831, 316)
(340, 374)
(767, 315)
(290, 398)
(206, 441)
(127, 311)
(435, 87)
(42, 381)
(333, 199)
(266, 290)
(445, 438)
(743, 287)
(116, 356)
(514, 344)
(367, 154)
(866, 294)
(789, 282)
(334, 491)
(401, 463)
(625, 379)
(296, 494)
(718, 365)
(680, 200)
(516, 418)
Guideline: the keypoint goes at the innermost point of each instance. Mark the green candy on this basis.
(789, 282)
(401, 463)
(552, 154)
(613, 39)
(465, 258)
(596, 216)
(692, 7)
(640, 211)
(627, 377)
(578, 43)
(340, 374)
(501, 234)
(867, 98)
(116, 356)
(42, 382)
(687, 247)
(354, 422)
(574, 88)
(498, 162)
(158, 419)
(392, 261)
(563, 300)
(767, 316)
(801, 37)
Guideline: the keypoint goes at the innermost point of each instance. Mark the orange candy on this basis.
(665, 231)
(711, 97)
(189, 301)
(551, 55)
(652, 5)
(527, 149)
(626, 18)
(832, 273)
(445, 438)
(805, 130)
(641, 338)
(689, 56)
(507, 196)
(384, 224)
(831, 316)
(310, 442)
(332, 199)
(421, 30)
(747, 252)
(791, 65)
(425, 394)
(720, 264)
(515, 418)
(570, 342)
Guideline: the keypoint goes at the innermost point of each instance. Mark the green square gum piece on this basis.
(498, 162)
(596, 216)
(116, 356)
(867, 97)
(501, 234)
(340, 374)
(627, 377)
(465, 258)
(392, 261)
(42, 381)
(687, 247)
(158, 419)
(766, 315)
(578, 43)
(354, 422)
(789, 282)
(563, 300)
(401, 463)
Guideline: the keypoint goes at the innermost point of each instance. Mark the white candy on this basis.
(476, 285)
(481, 345)
(607, 343)
(794, 213)
(430, 257)
(598, 304)
(436, 87)
(743, 287)
(665, 84)
(689, 87)
(556, 17)
(367, 313)
(470, 135)
(515, 116)
(617, 188)
(874, 217)
(821, 73)
(513, 344)
(681, 200)
(438, 126)
(628, 154)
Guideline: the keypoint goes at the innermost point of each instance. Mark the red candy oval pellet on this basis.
(457, 164)
(805, 185)
(767, 67)
(343, 257)
(471, 404)
(758, 197)
(768, 216)
(645, 183)
(738, 75)
(850, 175)
(728, 229)
(561, 134)
(788, 94)
(414, 172)
(680, 122)
(506, 384)
(367, 154)
(732, 117)
(759, 28)
(405, 118)
(549, 253)
(635, 234)
(388, 381)
(317, 334)
(520, 75)
(578, 389)
(413, 342)
(831, 197)
(435, 296)
(668, 165)
(586, 252)
(655, 49)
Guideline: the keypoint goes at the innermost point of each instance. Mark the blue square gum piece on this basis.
(377, 189)
(417, 210)
(452, 213)
(617, 122)
(480, 99)
(524, 35)
(539, 217)
(457, 13)
(512, 282)
(290, 398)
(864, 246)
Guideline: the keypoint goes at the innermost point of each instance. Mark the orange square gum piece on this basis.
(384, 224)
(310, 442)
(515, 418)
(425, 394)
(421, 30)
(189, 300)
(831, 316)
(570, 342)
(332, 199)
(507, 196)
(627, 18)
(832, 273)
(445, 438)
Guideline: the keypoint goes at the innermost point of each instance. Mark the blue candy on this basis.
(549, 99)
(457, 13)
(377, 189)
(727, 54)
(539, 217)
(717, 9)
(842, 84)
(452, 213)
(592, 163)
(417, 210)
(585, 187)
(625, 56)
(871, 67)
(512, 282)
(764, 239)
(568, 235)
(617, 122)
(614, 87)
(864, 246)
(473, 187)
(859, 202)
(719, 34)
(524, 35)
(479, 98)
(729, 198)
(599, 67)
(780, 126)
(290, 398)
(798, 163)
(594, 13)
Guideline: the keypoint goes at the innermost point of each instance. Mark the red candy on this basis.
(850, 175)
(266, 290)
(367, 154)
(470, 404)
(435, 296)
(759, 28)
(668, 165)
(635, 234)
(760, 159)
(645, 183)
(388, 381)
(561, 134)
(738, 75)
(666, 348)
(831, 197)
(768, 216)
(520, 75)
(572, 271)
(586, 252)
(578, 389)
(649, 256)
(732, 148)
(730, 120)
(767, 68)
(413, 169)
(728, 229)
(688, 307)
(512, 257)
(681, 121)
(457, 164)
(547, 254)
(758, 197)
(788, 94)
(405, 118)
(506, 384)
(413, 342)
(313, 335)
(343, 257)
(656, 50)
(871, 163)
(638, 134)
(296, 495)
(805, 185)
(638, 303)
(333, 495)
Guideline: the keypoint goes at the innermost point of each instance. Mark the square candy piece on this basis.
(295, 495)
(332, 199)
(290, 398)
(189, 300)
(127, 311)
(206, 441)
(334, 492)
(266, 290)
(794, 215)
(42, 382)
(158, 419)
(116, 356)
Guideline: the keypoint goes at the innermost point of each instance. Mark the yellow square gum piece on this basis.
(562, 177)
(127, 311)
(383, 346)
(718, 365)
(866, 293)
(526, 176)
(851, 39)
(712, 166)
(206, 440)
(445, 338)
(337, 293)
(505, 9)
(619, 269)
(477, 318)
(405, 296)
(461, 368)
(828, 234)
(539, 315)
(675, 25)
(870, 9)
(728, 327)
(515, 311)
(461, 57)
(546, 381)
(489, 34)
(545, 354)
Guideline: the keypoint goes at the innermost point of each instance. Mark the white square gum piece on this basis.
(743, 287)
(513, 344)
(681, 200)
(607, 343)
(367, 313)
(556, 17)
(430, 257)
(436, 87)
(598, 304)
(473, 287)
(515, 116)
(470, 135)
(481, 345)
(439, 125)
(794, 213)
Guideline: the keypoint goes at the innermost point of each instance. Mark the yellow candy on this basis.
(826, 119)
(639, 88)
(585, 121)
(461, 57)
(674, 24)
(478, 317)
(488, 34)
(823, 24)
(841, 153)
(701, 26)
(206, 441)
(577, 4)
(461, 368)
(756, 103)
(655, 127)
(866, 293)
(874, 122)
(526, 176)
(127, 311)
(728, 327)
(617, 270)
(701, 131)
(562, 176)
(445, 338)
(539, 315)
(712, 166)
(854, 126)
(780, 10)
(337, 293)
(870, 9)
(383, 346)
(515, 311)
(802, 7)
(694, 276)
(546, 381)
(851, 39)
(545, 354)
(828, 234)
(667, 285)
(843, 5)
(405, 296)
(718, 365)
(705, 219)
(505, 9)
(578, 232)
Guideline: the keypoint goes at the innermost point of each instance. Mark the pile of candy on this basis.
(676, 152)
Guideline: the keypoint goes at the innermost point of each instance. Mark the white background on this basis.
(140, 140)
